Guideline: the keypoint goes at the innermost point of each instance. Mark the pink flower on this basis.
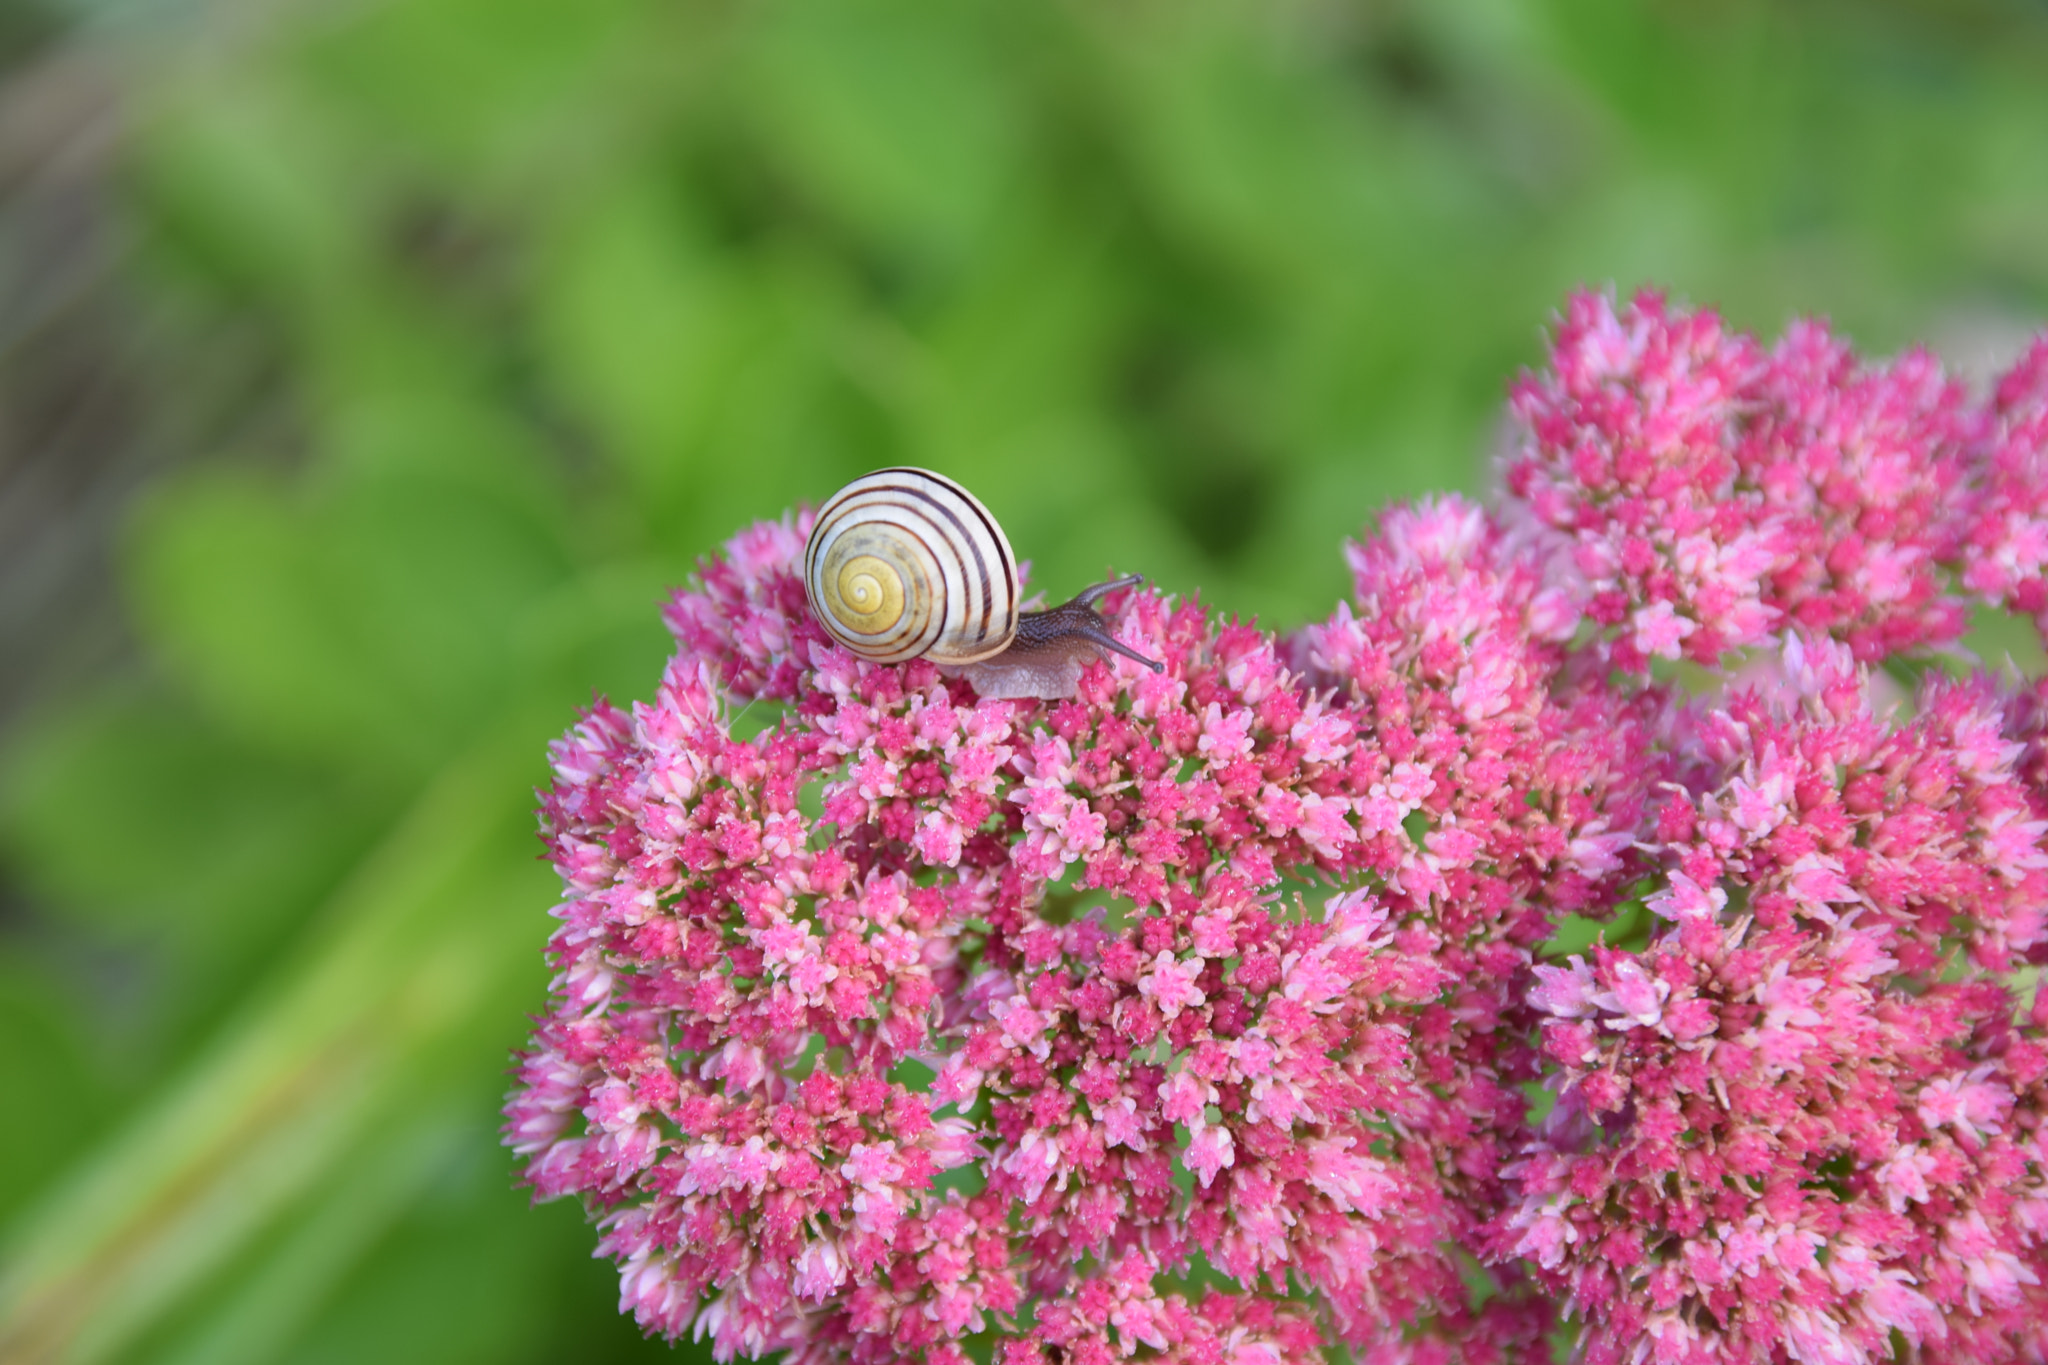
(921, 1014)
(1711, 492)
(1846, 1066)
(2007, 553)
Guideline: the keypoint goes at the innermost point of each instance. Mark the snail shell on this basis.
(905, 564)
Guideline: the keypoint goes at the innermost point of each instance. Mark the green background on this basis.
(460, 328)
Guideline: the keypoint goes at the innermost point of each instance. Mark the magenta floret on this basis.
(2007, 553)
(1199, 1016)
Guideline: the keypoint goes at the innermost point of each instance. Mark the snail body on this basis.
(905, 564)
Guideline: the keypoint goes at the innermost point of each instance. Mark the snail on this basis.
(906, 564)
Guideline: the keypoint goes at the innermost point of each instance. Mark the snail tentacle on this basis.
(1051, 649)
(1098, 636)
(1077, 619)
(1095, 592)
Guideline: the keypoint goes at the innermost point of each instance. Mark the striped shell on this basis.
(905, 563)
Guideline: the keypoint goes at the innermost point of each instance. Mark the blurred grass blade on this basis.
(423, 934)
(269, 1306)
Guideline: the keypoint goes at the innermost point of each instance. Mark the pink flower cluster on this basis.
(1712, 492)
(1213, 1015)
(1807, 1116)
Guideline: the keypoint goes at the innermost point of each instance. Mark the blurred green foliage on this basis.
(492, 315)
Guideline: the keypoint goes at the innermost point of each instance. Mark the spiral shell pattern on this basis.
(904, 563)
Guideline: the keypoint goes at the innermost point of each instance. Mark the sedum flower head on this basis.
(1199, 1016)
(1808, 1114)
(1712, 492)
